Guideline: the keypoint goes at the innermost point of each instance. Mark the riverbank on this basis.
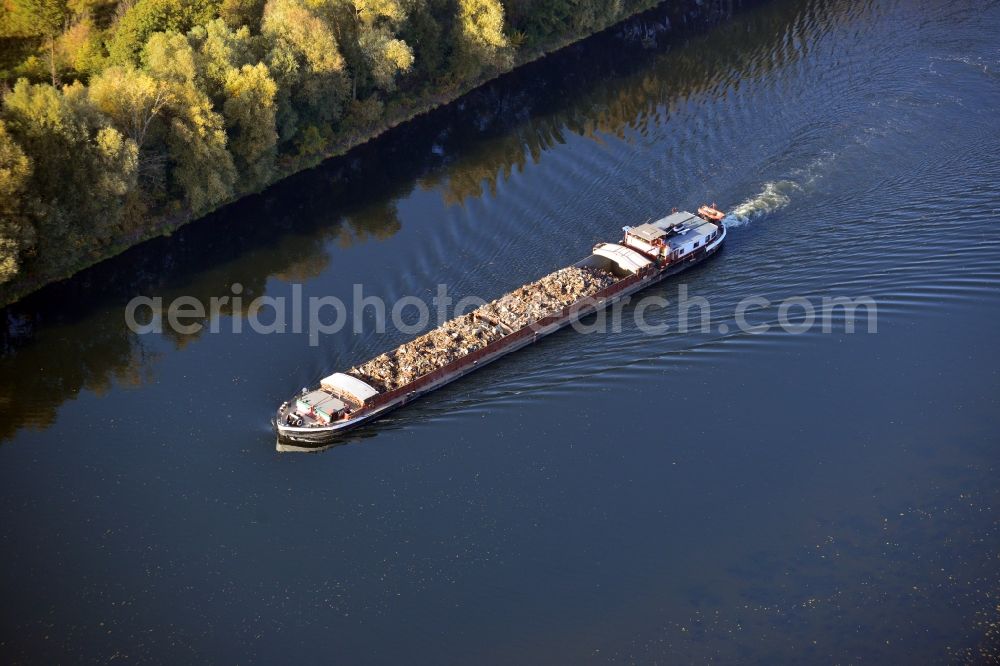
(648, 18)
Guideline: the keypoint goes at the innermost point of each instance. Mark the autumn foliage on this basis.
(121, 119)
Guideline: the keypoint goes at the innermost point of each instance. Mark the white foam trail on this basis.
(775, 196)
(778, 193)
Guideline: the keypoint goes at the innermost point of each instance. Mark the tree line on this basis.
(123, 118)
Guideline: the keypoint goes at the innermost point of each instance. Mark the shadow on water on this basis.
(70, 337)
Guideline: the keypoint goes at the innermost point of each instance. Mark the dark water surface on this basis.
(604, 497)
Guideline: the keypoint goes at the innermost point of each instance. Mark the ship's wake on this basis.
(775, 196)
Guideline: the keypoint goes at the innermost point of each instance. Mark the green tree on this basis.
(131, 98)
(46, 18)
(16, 230)
(54, 136)
(117, 163)
(169, 57)
(82, 171)
(145, 17)
(249, 111)
(80, 47)
(238, 13)
(481, 39)
(221, 49)
(200, 169)
(368, 30)
(427, 31)
(106, 167)
(136, 103)
(242, 88)
(306, 63)
(385, 56)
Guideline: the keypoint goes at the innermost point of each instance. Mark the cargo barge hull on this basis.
(313, 437)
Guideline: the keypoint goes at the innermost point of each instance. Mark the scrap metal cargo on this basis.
(489, 323)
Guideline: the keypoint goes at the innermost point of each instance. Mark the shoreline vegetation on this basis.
(123, 120)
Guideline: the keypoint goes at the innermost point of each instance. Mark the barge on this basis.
(647, 253)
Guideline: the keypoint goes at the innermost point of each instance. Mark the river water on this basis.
(616, 496)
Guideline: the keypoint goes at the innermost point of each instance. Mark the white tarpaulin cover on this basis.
(626, 258)
(339, 382)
